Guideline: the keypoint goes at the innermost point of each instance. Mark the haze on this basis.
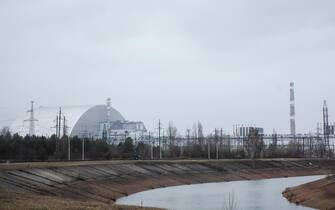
(220, 62)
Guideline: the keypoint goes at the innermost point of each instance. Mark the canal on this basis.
(247, 195)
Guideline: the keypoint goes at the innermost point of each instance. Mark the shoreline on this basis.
(105, 182)
(120, 201)
(319, 194)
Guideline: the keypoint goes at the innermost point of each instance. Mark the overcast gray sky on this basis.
(220, 62)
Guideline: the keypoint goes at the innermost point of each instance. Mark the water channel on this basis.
(248, 195)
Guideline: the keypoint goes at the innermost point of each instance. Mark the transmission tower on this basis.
(61, 124)
(104, 133)
(274, 138)
(31, 119)
(65, 127)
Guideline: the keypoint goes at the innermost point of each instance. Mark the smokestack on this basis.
(292, 110)
(326, 125)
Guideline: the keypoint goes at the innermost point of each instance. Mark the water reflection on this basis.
(250, 195)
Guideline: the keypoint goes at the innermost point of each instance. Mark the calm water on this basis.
(250, 195)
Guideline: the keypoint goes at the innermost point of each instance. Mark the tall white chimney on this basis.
(292, 110)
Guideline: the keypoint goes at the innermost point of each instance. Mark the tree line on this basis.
(38, 148)
(194, 145)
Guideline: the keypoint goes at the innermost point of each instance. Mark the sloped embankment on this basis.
(319, 194)
(107, 181)
(10, 200)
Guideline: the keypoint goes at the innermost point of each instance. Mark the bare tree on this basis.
(188, 132)
(255, 144)
(195, 132)
(4, 131)
(172, 134)
(200, 133)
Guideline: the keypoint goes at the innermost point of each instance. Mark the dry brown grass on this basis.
(318, 194)
(21, 201)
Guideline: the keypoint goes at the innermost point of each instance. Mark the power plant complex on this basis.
(105, 122)
(98, 121)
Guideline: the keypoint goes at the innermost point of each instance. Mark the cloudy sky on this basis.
(220, 62)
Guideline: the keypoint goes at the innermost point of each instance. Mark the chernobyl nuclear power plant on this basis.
(98, 122)
(105, 122)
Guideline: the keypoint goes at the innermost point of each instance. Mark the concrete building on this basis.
(117, 131)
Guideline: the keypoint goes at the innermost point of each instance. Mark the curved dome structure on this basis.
(79, 120)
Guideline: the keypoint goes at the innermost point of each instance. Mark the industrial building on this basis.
(244, 130)
(116, 131)
(81, 121)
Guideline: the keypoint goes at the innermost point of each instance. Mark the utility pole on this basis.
(57, 126)
(83, 149)
(310, 147)
(303, 146)
(58, 129)
(64, 127)
(163, 141)
(59, 122)
(68, 149)
(56, 139)
(151, 147)
(216, 145)
(159, 139)
(208, 149)
(68, 139)
(182, 147)
(319, 143)
(221, 134)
